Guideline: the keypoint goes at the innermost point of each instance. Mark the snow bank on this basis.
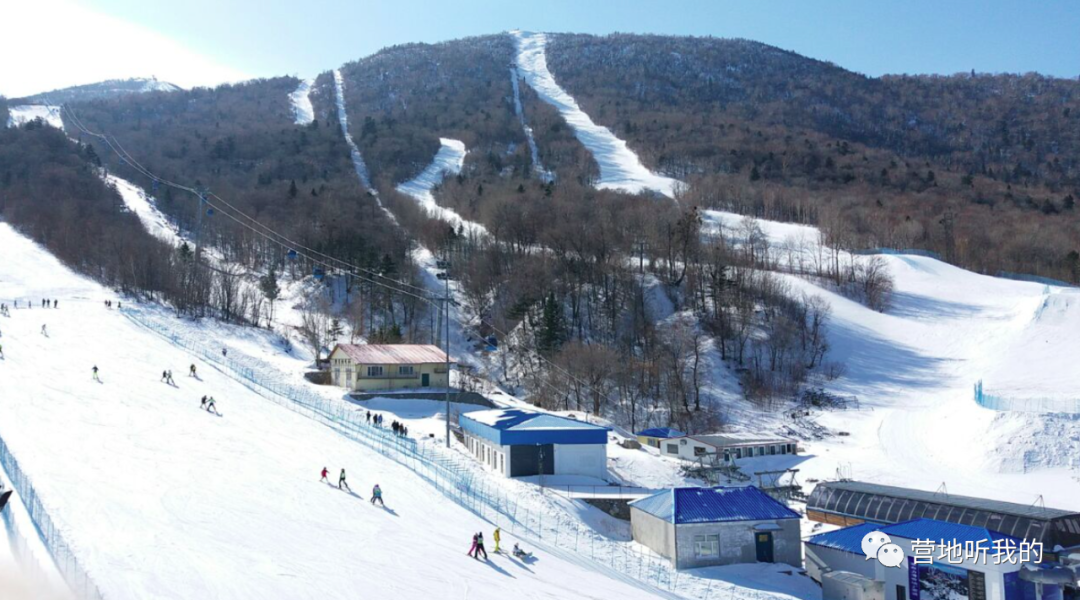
(620, 168)
(301, 102)
(448, 161)
(19, 115)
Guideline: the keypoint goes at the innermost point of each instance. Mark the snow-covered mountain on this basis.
(105, 89)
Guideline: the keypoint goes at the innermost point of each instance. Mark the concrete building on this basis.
(653, 436)
(376, 367)
(941, 574)
(522, 443)
(726, 448)
(703, 527)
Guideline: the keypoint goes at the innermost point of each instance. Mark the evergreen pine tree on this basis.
(552, 330)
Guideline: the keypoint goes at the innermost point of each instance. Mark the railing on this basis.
(601, 492)
(453, 474)
(63, 556)
(1031, 405)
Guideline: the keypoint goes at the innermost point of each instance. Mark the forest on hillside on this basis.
(983, 169)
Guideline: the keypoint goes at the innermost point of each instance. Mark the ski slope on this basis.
(20, 115)
(300, 100)
(163, 500)
(448, 161)
(620, 168)
(913, 368)
(138, 202)
(534, 151)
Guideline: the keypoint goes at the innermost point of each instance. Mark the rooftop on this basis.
(735, 439)
(517, 419)
(997, 506)
(849, 539)
(661, 432)
(393, 354)
(713, 505)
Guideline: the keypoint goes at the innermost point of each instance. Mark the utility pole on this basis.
(446, 320)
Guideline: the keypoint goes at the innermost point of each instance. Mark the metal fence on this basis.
(1031, 405)
(454, 475)
(66, 562)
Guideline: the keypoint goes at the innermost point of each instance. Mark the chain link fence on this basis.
(62, 554)
(531, 516)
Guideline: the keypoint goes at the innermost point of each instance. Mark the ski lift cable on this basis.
(289, 244)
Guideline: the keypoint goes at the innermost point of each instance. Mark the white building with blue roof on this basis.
(942, 571)
(522, 443)
(704, 527)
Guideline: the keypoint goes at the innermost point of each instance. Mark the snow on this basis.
(144, 207)
(448, 161)
(534, 152)
(620, 168)
(20, 115)
(301, 102)
(913, 367)
(159, 499)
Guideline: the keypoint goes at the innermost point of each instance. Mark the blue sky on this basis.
(272, 37)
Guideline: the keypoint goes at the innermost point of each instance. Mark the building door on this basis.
(526, 461)
(764, 546)
(900, 595)
(425, 380)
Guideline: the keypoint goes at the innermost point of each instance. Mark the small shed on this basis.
(386, 367)
(653, 436)
(523, 443)
(704, 527)
(726, 448)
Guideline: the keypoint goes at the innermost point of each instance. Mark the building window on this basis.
(738, 453)
(707, 546)
(405, 370)
(348, 376)
(672, 448)
(772, 450)
(374, 371)
(337, 376)
(761, 451)
(699, 451)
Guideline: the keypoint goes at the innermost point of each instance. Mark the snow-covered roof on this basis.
(713, 505)
(721, 440)
(392, 354)
(661, 432)
(507, 426)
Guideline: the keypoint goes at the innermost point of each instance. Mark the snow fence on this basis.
(66, 562)
(454, 475)
(1031, 405)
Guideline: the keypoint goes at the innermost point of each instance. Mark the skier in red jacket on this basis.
(324, 474)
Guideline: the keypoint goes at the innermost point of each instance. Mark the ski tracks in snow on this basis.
(620, 167)
(301, 102)
(448, 160)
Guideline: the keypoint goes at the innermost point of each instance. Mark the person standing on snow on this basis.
(472, 549)
(341, 481)
(325, 472)
(376, 495)
(43, 332)
(211, 406)
(164, 375)
(191, 372)
(96, 375)
(168, 377)
(497, 536)
(480, 546)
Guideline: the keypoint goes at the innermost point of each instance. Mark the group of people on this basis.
(209, 405)
(166, 376)
(108, 304)
(376, 492)
(4, 310)
(47, 303)
(478, 546)
(377, 420)
(400, 429)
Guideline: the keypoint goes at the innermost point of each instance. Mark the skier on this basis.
(43, 332)
(202, 405)
(472, 549)
(96, 375)
(119, 305)
(341, 481)
(164, 375)
(376, 495)
(325, 472)
(54, 303)
(211, 406)
(191, 372)
(224, 351)
(497, 536)
(519, 553)
(480, 546)
(369, 417)
(168, 377)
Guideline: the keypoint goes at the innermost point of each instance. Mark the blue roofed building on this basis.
(703, 527)
(654, 435)
(946, 566)
(522, 443)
